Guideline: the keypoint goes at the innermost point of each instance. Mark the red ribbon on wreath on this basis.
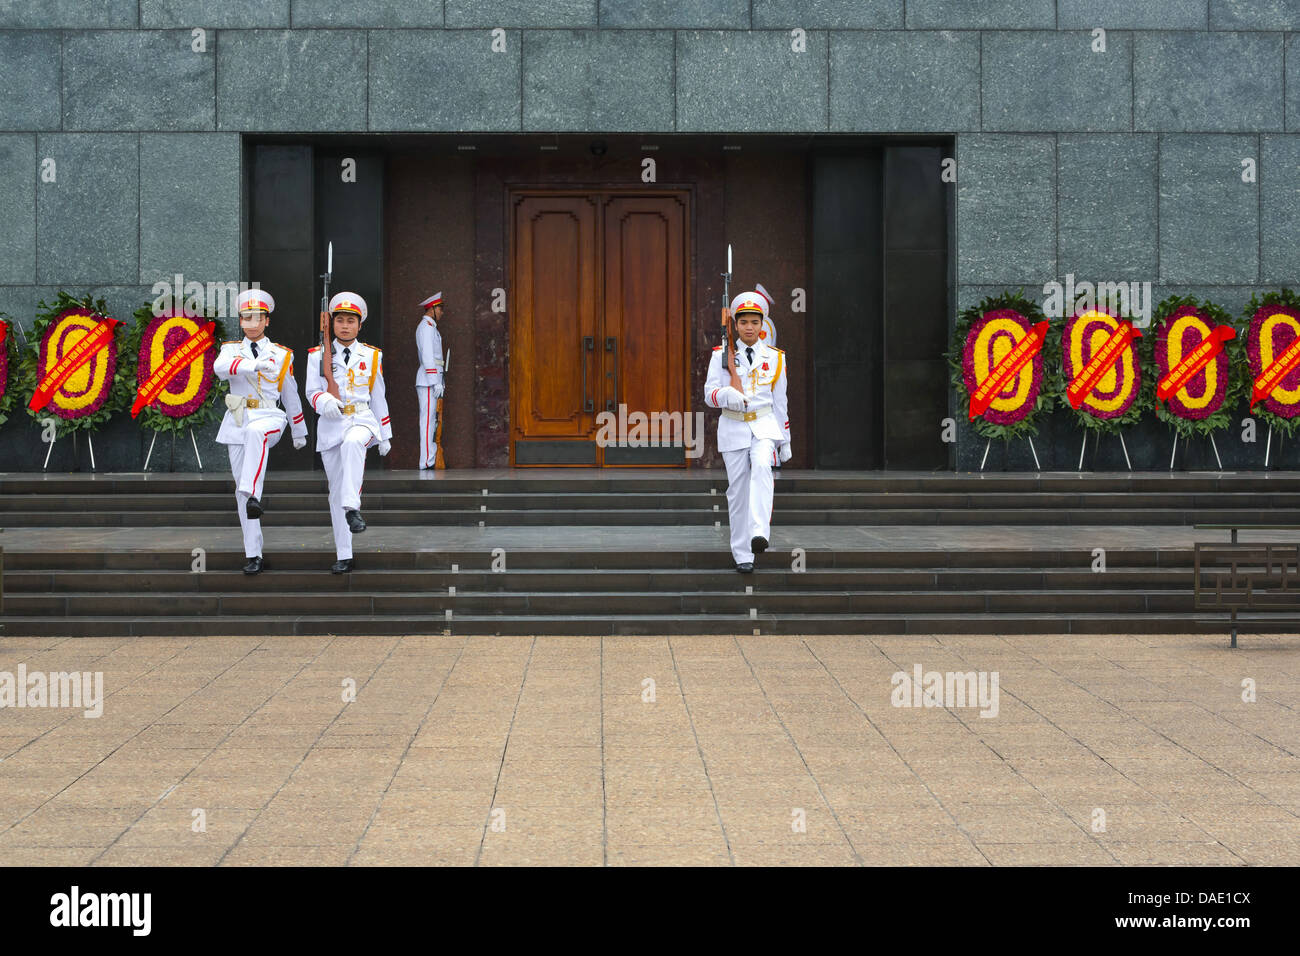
(1009, 367)
(1100, 364)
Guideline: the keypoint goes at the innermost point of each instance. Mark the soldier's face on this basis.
(254, 323)
(748, 325)
(346, 326)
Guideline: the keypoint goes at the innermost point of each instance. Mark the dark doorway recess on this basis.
(853, 236)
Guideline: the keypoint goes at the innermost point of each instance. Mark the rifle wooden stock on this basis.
(327, 349)
(729, 350)
(437, 440)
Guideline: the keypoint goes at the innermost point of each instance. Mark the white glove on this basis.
(784, 451)
(732, 398)
(268, 365)
(438, 390)
(299, 443)
(384, 447)
(327, 406)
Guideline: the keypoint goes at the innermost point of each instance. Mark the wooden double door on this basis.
(599, 321)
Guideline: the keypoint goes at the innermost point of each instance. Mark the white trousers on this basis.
(345, 467)
(248, 462)
(428, 425)
(749, 495)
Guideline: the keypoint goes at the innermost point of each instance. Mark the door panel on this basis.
(645, 314)
(555, 308)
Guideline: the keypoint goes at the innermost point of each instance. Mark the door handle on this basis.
(611, 345)
(588, 345)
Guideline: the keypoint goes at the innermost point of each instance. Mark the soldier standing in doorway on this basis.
(429, 382)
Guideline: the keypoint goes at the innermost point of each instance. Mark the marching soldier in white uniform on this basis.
(429, 385)
(350, 424)
(260, 373)
(754, 430)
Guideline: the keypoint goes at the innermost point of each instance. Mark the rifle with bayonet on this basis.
(728, 328)
(326, 339)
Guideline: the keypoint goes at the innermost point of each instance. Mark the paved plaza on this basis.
(1115, 750)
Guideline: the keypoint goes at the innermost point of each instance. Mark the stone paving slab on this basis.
(648, 751)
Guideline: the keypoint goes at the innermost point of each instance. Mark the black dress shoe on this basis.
(254, 508)
(758, 544)
(745, 567)
(342, 566)
(254, 565)
(356, 523)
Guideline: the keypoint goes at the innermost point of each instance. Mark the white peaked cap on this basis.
(749, 302)
(758, 287)
(255, 300)
(435, 299)
(348, 302)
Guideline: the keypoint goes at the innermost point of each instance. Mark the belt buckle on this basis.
(750, 416)
(349, 409)
(252, 402)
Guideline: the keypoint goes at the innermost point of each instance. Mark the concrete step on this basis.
(656, 518)
(629, 481)
(220, 502)
(591, 561)
(631, 603)
(659, 624)
(546, 580)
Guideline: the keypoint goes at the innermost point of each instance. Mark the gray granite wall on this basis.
(1117, 165)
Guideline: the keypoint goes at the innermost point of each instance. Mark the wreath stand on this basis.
(1096, 444)
(76, 465)
(172, 464)
(1187, 444)
(1268, 445)
(1032, 451)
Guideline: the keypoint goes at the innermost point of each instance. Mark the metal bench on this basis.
(1247, 576)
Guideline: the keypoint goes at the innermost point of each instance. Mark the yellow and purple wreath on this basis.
(8, 354)
(1198, 366)
(175, 385)
(72, 370)
(1102, 369)
(1002, 365)
(1273, 352)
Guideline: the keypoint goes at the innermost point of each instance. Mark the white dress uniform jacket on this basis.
(428, 344)
(234, 359)
(764, 384)
(360, 378)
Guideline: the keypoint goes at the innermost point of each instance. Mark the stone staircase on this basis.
(625, 553)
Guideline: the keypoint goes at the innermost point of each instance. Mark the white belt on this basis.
(354, 408)
(237, 404)
(747, 416)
